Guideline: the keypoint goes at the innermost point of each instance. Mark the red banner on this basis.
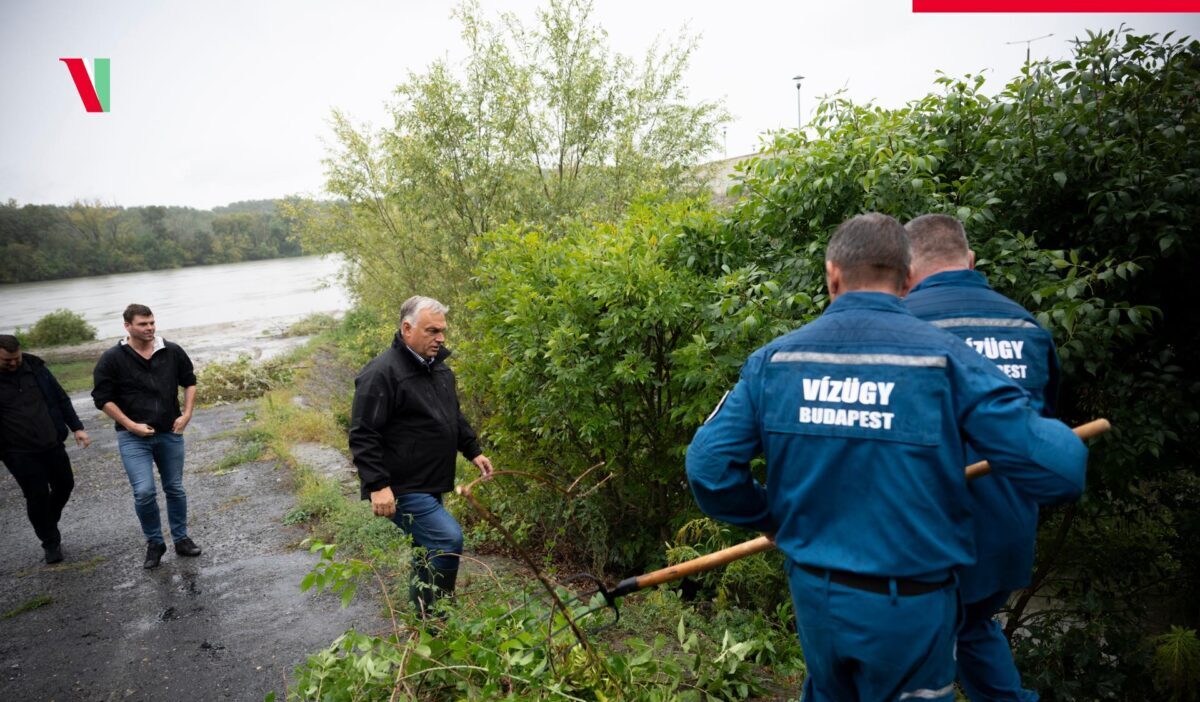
(1125, 6)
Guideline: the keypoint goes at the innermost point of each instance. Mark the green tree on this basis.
(539, 124)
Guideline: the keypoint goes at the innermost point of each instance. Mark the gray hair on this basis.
(937, 238)
(871, 248)
(411, 307)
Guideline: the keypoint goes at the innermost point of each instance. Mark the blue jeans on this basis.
(866, 646)
(422, 516)
(985, 662)
(140, 454)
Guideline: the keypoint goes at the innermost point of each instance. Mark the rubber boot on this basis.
(444, 581)
(420, 589)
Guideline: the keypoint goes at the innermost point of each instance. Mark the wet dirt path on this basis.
(228, 625)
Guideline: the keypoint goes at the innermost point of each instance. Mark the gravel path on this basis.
(229, 625)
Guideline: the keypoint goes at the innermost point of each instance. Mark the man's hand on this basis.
(383, 503)
(82, 439)
(181, 422)
(485, 466)
(140, 429)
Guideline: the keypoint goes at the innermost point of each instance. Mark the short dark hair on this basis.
(10, 343)
(136, 310)
(937, 238)
(871, 248)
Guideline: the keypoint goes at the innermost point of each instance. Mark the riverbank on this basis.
(260, 339)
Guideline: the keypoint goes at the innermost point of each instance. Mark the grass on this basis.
(73, 374)
(28, 606)
(251, 447)
(316, 323)
(229, 504)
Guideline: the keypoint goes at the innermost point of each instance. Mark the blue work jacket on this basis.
(962, 303)
(864, 417)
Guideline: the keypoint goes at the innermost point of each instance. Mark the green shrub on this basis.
(501, 641)
(241, 379)
(56, 329)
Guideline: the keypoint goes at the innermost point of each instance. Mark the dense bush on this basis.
(1079, 184)
(56, 329)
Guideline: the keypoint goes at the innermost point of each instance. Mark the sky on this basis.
(215, 102)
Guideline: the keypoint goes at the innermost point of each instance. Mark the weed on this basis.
(313, 324)
(27, 606)
(241, 379)
(233, 502)
(296, 515)
(67, 566)
(251, 447)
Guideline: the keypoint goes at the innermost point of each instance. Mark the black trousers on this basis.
(46, 480)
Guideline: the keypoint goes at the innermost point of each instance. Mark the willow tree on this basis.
(540, 123)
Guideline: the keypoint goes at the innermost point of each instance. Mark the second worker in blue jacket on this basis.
(952, 296)
(864, 417)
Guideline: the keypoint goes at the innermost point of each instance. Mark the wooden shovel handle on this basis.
(717, 559)
(1087, 431)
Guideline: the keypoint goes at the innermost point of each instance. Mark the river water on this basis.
(235, 294)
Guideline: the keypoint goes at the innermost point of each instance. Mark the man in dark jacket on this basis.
(405, 428)
(35, 416)
(137, 384)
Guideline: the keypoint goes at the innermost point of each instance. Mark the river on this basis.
(222, 306)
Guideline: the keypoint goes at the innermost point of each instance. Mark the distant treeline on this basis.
(45, 242)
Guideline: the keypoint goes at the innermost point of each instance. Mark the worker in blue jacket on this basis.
(864, 417)
(952, 296)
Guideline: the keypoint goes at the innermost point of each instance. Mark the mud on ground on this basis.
(228, 625)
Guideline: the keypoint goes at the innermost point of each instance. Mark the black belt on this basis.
(872, 583)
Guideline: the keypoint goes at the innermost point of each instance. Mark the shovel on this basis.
(717, 559)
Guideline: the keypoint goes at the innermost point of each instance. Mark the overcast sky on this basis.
(219, 101)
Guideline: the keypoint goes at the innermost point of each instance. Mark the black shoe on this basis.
(154, 554)
(187, 547)
(53, 553)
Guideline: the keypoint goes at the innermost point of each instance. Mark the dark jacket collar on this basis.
(34, 362)
(411, 358)
(959, 278)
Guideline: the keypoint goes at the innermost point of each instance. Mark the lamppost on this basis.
(1027, 42)
(799, 114)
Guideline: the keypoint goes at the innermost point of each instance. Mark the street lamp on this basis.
(799, 115)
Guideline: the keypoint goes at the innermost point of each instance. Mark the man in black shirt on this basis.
(35, 414)
(405, 428)
(136, 384)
